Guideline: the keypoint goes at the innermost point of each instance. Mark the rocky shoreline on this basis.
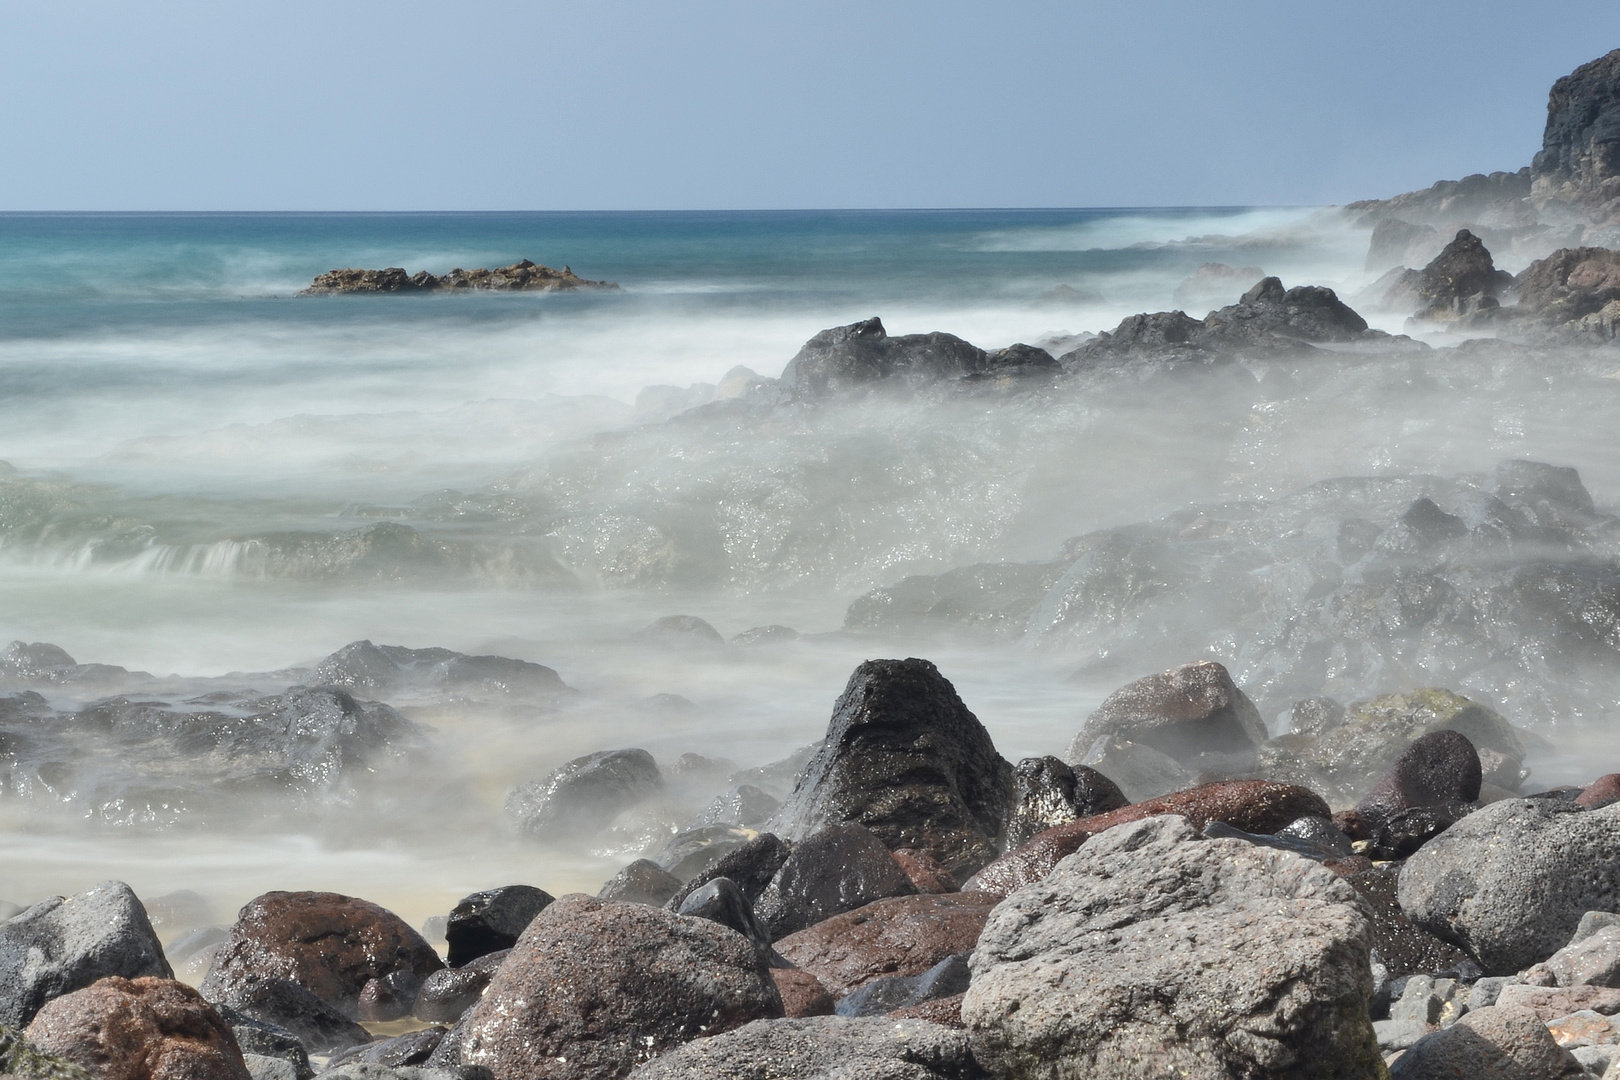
(917, 906)
(521, 276)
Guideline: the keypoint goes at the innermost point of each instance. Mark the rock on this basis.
(449, 992)
(582, 797)
(1139, 771)
(1319, 832)
(1496, 1042)
(1593, 960)
(366, 1070)
(1592, 922)
(1214, 283)
(1585, 1028)
(948, 978)
(1580, 147)
(1600, 792)
(282, 1004)
(1569, 284)
(21, 1061)
(822, 1048)
(356, 957)
(1255, 806)
(412, 1048)
(695, 852)
(260, 1039)
(1551, 1002)
(1404, 949)
(1510, 882)
(1421, 795)
(393, 670)
(177, 911)
(1269, 315)
(1500, 771)
(491, 921)
(1501, 198)
(681, 630)
(745, 805)
(925, 872)
(838, 869)
(720, 901)
(990, 598)
(1400, 243)
(1314, 717)
(521, 276)
(904, 935)
(642, 882)
(905, 758)
(260, 1067)
(862, 355)
(1162, 335)
(802, 993)
(595, 987)
(1047, 792)
(145, 1029)
(1460, 280)
(946, 1011)
(1269, 976)
(750, 867)
(1194, 714)
(765, 635)
(1018, 361)
(62, 945)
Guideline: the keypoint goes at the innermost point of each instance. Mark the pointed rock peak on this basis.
(1266, 291)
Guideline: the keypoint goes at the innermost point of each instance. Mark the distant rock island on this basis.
(521, 276)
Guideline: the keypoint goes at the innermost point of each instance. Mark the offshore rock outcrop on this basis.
(862, 355)
(521, 276)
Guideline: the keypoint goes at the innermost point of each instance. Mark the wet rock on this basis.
(1219, 830)
(802, 993)
(822, 1048)
(1320, 832)
(695, 852)
(1194, 714)
(1600, 792)
(1314, 717)
(412, 1048)
(1397, 835)
(925, 872)
(1497, 1042)
(1255, 806)
(1460, 280)
(142, 1029)
(903, 936)
(260, 1067)
(392, 670)
(1400, 243)
(281, 1003)
(1593, 960)
(1404, 949)
(582, 797)
(521, 276)
(1580, 147)
(1048, 792)
(765, 635)
(594, 987)
(838, 869)
(750, 867)
(331, 945)
(681, 630)
(642, 882)
(905, 758)
(24, 1062)
(948, 978)
(992, 598)
(720, 901)
(745, 805)
(1510, 882)
(946, 1011)
(1269, 314)
(1075, 969)
(1569, 284)
(449, 992)
(256, 1038)
(862, 355)
(65, 944)
(491, 921)
(366, 1070)
(1140, 771)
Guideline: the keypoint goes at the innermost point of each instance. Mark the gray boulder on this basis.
(1509, 883)
(822, 1048)
(1151, 953)
(642, 882)
(1593, 960)
(1498, 1042)
(64, 944)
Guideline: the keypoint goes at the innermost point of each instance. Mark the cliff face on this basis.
(1579, 162)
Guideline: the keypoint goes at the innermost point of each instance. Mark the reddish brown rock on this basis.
(139, 1029)
(925, 872)
(1552, 1002)
(595, 987)
(331, 945)
(1257, 806)
(802, 993)
(902, 935)
(1600, 792)
(947, 1011)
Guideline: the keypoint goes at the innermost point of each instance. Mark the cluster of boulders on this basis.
(919, 907)
(521, 276)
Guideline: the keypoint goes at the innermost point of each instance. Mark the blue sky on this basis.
(633, 104)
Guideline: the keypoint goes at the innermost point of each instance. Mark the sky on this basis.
(668, 104)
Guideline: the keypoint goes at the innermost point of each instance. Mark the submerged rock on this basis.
(906, 759)
(141, 1029)
(822, 1048)
(521, 276)
(582, 797)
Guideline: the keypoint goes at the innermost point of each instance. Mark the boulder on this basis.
(862, 355)
(1401, 947)
(1510, 882)
(642, 882)
(141, 1029)
(1268, 976)
(838, 869)
(1162, 335)
(360, 959)
(1499, 1042)
(1047, 792)
(1593, 960)
(65, 944)
(449, 992)
(1460, 280)
(595, 987)
(284, 1005)
(411, 1048)
(946, 1011)
(1269, 315)
(21, 1061)
(750, 867)
(264, 1040)
(905, 758)
(903, 935)
(1569, 284)
(883, 995)
(391, 670)
(745, 805)
(681, 631)
(822, 1048)
(802, 993)
(521, 276)
(722, 902)
(583, 797)
(1551, 1002)
(1400, 243)
(1600, 792)
(1255, 806)
(925, 872)
(1193, 713)
(491, 921)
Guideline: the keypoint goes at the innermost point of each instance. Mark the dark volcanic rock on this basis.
(1268, 313)
(750, 867)
(1568, 284)
(389, 670)
(1500, 198)
(449, 992)
(720, 901)
(1460, 280)
(1579, 162)
(823, 1048)
(268, 1040)
(412, 1048)
(145, 1029)
(521, 276)
(334, 946)
(62, 945)
(20, 1060)
(1496, 1041)
(925, 872)
(1600, 792)
(863, 355)
(1401, 243)
(904, 935)
(838, 869)
(905, 758)
(1404, 949)
(642, 882)
(593, 988)
(319, 1026)
(491, 921)
(1193, 713)
(582, 797)
(1047, 793)
(1439, 768)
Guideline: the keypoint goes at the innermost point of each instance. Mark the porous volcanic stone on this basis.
(283, 1004)
(1151, 953)
(448, 993)
(1593, 960)
(1498, 1042)
(823, 1048)
(802, 993)
(722, 902)
(838, 869)
(1510, 882)
(491, 921)
(925, 872)
(750, 867)
(595, 987)
(141, 1029)
(1600, 792)
(332, 945)
(62, 945)
(905, 758)
(1047, 793)
(905, 935)
(1441, 767)
(22, 1061)
(1403, 948)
